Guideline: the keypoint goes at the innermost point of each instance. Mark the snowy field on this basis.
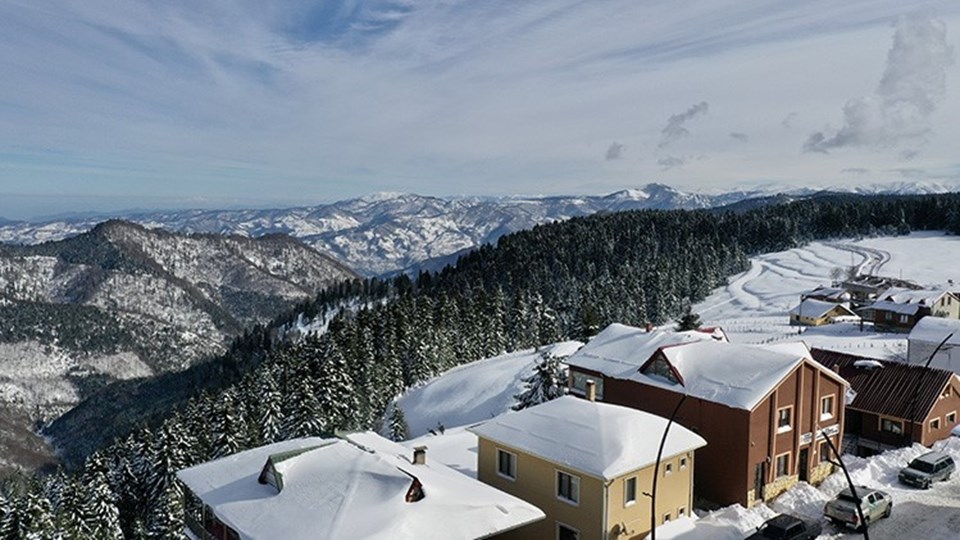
(752, 309)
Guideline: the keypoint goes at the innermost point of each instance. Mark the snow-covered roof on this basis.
(732, 374)
(353, 488)
(901, 295)
(619, 350)
(836, 293)
(817, 308)
(896, 307)
(595, 438)
(935, 329)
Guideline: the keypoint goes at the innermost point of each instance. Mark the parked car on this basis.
(787, 527)
(927, 469)
(874, 504)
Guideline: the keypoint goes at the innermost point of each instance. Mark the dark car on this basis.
(787, 527)
(927, 469)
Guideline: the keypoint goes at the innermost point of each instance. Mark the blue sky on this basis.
(162, 104)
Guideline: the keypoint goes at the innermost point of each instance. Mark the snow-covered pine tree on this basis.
(35, 518)
(229, 427)
(547, 382)
(689, 320)
(99, 511)
(304, 417)
(398, 424)
(270, 413)
(165, 518)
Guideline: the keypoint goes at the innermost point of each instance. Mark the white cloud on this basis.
(912, 86)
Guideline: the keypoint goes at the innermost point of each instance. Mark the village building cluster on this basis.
(747, 422)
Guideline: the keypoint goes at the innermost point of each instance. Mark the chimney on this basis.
(420, 455)
(649, 327)
(591, 390)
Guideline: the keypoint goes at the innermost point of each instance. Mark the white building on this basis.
(363, 486)
(928, 333)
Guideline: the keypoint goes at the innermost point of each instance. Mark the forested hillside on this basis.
(560, 280)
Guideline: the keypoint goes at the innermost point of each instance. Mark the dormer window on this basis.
(270, 477)
(415, 493)
(659, 367)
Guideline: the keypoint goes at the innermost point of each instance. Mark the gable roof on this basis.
(888, 390)
(352, 488)
(732, 374)
(895, 307)
(595, 438)
(811, 307)
(838, 294)
(900, 295)
(619, 350)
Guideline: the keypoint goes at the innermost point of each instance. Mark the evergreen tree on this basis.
(547, 382)
(269, 404)
(689, 320)
(398, 424)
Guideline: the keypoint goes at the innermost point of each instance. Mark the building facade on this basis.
(764, 411)
(560, 457)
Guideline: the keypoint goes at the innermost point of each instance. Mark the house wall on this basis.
(801, 391)
(674, 491)
(894, 322)
(948, 307)
(943, 407)
(536, 484)
(720, 475)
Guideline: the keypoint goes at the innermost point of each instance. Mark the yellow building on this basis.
(589, 466)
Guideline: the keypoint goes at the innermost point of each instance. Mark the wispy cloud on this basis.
(912, 87)
(614, 151)
(314, 100)
(741, 137)
(675, 124)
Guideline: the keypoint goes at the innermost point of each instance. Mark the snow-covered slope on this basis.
(387, 232)
(122, 301)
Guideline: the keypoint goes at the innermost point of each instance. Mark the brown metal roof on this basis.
(888, 390)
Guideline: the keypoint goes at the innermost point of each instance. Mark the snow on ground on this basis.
(753, 307)
(473, 392)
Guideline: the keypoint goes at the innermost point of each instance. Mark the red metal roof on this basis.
(888, 390)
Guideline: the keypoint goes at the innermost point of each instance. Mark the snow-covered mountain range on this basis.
(124, 301)
(388, 232)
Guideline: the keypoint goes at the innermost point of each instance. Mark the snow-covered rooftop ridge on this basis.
(815, 308)
(353, 488)
(902, 295)
(896, 307)
(935, 329)
(598, 439)
(619, 350)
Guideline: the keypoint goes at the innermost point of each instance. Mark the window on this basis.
(784, 419)
(506, 464)
(580, 384)
(783, 465)
(952, 417)
(891, 426)
(935, 423)
(659, 367)
(630, 491)
(566, 532)
(904, 319)
(888, 315)
(666, 517)
(683, 463)
(945, 393)
(682, 511)
(826, 407)
(668, 469)
(824, 452)
(568, 487)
